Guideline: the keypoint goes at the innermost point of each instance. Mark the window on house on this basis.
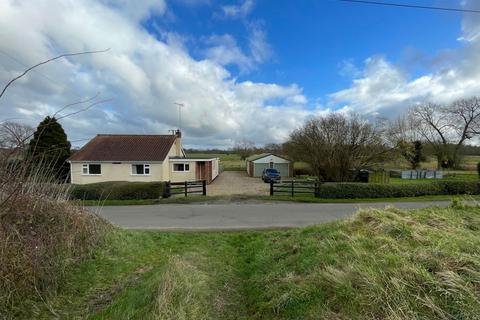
(90, 169)
(181, 167)
(140, 169)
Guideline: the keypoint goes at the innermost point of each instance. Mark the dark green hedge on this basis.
(374, 190)
(118, 191)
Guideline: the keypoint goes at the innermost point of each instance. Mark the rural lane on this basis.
(238, 216)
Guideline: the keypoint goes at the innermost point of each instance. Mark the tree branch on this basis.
(47, 61)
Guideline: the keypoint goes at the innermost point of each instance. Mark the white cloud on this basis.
(224, 49)
(349, 69)
(470, 23)
(238, 11)
(142, 75)
(384, 88)
(260, 50)
(137, 10)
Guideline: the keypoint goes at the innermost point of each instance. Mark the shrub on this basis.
(41, 235)
(119, 190)
(303, 171)
(374, 190)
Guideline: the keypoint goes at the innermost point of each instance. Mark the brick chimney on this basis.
(178, 143)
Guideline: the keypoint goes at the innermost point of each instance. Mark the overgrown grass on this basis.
(380, 264)
(312, 199)
(42, 234)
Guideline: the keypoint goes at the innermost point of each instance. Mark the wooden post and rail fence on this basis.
(186, 188)
(295, 187)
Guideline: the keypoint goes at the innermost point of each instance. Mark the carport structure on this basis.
(257, 163)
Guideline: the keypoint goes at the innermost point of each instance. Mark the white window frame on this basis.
(87, 166)
(145, 167)
(184, 164)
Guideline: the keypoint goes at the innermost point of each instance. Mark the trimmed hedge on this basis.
(121, 190)
(376, 190)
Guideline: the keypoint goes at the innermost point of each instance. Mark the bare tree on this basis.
(447, 127)
(14, 135)
(244, 148)
(273, 148)
(335, 146)
(404, 138)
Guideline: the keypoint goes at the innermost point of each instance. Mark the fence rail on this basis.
(185, 188)
(293, 187)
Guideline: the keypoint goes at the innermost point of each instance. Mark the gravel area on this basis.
(237, 182)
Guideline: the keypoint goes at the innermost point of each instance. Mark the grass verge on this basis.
(382, 264)
(236, 198)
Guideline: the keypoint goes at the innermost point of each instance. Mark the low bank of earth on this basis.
(380, 264)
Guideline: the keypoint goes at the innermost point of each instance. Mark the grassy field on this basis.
(382, 264)
(453, 176)
(230, 161)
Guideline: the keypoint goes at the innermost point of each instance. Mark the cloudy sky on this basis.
(243, 69)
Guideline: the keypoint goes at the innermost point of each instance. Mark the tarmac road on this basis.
(239, 216)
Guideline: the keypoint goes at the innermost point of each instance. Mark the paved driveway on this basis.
(237, 182)
(237, 216)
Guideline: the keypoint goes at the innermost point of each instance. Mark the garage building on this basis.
(258, 162)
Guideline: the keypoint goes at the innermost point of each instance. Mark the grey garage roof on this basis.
(263, 155)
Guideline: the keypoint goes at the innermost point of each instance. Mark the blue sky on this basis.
(245, 69)
(312, 40)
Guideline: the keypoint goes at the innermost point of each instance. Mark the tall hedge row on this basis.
(374, 190)
(118, 191)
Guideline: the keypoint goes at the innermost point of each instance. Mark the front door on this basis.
(200, 171)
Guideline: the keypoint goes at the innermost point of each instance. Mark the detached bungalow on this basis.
(258, 162)
(109, 157)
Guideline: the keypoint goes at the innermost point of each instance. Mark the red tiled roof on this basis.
(110, 147)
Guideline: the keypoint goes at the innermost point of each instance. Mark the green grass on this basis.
(381, 264)
(177, 199)
(230, 161)
(452, 176)
(312, 199)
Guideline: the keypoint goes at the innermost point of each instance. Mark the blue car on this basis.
(270, 175)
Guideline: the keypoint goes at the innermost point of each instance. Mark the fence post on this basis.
(168, 190)
(293, 190)
(271, 188)
(186, 188)
(204, 185)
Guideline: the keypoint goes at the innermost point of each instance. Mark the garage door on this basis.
(258, 169)
(282, 168)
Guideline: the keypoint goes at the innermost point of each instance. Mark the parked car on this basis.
(270, 175)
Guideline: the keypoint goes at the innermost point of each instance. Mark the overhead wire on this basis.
(414, 6)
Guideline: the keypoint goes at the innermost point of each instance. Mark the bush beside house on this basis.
(119, 190)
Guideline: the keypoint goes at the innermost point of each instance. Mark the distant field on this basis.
(467, 163)
(456, 176)
(230, 161)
